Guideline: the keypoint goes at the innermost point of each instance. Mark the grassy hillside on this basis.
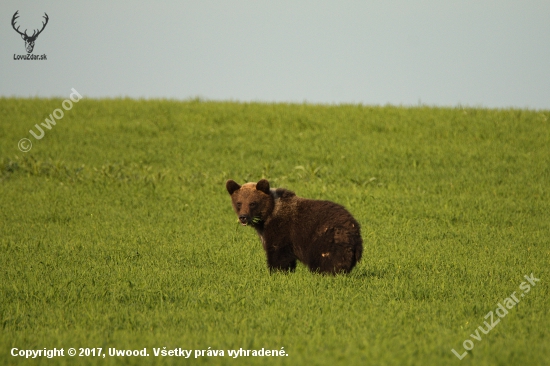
(116, 232)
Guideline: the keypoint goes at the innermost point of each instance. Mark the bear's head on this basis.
(252, 202)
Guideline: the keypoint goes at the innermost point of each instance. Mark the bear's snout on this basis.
(243, 219)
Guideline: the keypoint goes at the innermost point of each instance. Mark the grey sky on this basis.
(476, 53)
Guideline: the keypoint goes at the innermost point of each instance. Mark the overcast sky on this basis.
(446, 53)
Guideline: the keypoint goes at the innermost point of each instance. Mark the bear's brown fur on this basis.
(321, 234)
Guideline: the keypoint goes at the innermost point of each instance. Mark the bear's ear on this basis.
(263, 185)
(231, 186)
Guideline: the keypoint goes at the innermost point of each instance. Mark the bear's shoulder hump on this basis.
(282, 193)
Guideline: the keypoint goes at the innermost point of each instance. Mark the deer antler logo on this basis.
(29, 40)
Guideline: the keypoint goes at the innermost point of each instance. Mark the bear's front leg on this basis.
(281, 259)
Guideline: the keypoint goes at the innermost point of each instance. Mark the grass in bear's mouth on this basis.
(114, 233)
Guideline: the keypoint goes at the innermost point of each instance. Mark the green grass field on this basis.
(116, 231)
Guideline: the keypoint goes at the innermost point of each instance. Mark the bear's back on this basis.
(306, 217)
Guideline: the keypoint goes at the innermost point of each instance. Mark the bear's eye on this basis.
(239, 205)
(252, 204)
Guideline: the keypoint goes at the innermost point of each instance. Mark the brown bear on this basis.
(321, 234)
